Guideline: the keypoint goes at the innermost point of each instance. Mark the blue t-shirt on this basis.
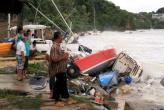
(27, 46)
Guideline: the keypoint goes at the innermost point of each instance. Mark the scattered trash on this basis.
(87, 78)
(125, 89)
(92, 80)
(99, 99)
(38, 82)
(85, 49)
(108, 79)
(92, 91)
(78, 86)
(117, 91)
(128, 79)
(72, 91)
(111, 105)
(98, 82)
(100, 107)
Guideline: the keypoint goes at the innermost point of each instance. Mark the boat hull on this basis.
(5, 47)
(96, 62)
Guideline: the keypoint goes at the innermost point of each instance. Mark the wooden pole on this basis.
(8, 30)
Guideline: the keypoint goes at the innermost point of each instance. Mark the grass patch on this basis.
(25, 102)
(2, 72)
(19, 100)
(84, 100)
(38, 69)
(6, 92)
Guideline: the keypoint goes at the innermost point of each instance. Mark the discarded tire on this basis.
(38, 82)
(73, 71)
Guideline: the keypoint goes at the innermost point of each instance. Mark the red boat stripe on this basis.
(98, 65)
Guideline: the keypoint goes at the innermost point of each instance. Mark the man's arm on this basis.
(23, 56)
(54, 55)
(22, 48)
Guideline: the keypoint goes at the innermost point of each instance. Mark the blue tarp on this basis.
(108, 78)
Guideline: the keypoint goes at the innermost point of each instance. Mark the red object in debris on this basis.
(99, 100)
(96, 62)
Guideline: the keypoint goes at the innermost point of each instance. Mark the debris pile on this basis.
(101, 85)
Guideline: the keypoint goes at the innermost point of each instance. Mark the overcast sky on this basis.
(139, 5)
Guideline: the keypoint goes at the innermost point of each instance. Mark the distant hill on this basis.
(81, 14)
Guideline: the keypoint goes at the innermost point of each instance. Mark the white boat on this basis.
(42, 45)
(127, 65)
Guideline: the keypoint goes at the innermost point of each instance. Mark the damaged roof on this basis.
(11, 6)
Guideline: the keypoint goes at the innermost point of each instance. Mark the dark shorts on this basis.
(26, 62)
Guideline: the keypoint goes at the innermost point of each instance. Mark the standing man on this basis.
(57, 70)
(20, 57)
(19, 32)
(27, 49)
(29, 35)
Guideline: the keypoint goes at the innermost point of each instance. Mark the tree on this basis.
(161, 10)
(81, 13)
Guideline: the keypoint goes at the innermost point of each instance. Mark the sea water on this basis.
(144, 45)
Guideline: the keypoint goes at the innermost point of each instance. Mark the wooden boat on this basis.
(92, 63)
(5, 47)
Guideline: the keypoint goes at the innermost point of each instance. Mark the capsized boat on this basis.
(127, 65)
(92, 63)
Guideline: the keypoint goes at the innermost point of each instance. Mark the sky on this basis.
(136, 6)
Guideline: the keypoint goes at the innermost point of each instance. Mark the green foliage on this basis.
(33, 68)
(37, 69)
(159, 25)
(6, 92)
(84, 100)
(20, 101)
(25, 102)
(81, 14)
(143, 24)
(161, 10)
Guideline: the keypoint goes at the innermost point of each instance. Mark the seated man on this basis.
(33, 49)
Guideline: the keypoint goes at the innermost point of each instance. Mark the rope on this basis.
(61, 15)
(45, 17)
(37, 11)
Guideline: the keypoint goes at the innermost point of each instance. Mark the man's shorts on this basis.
(20, 63)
